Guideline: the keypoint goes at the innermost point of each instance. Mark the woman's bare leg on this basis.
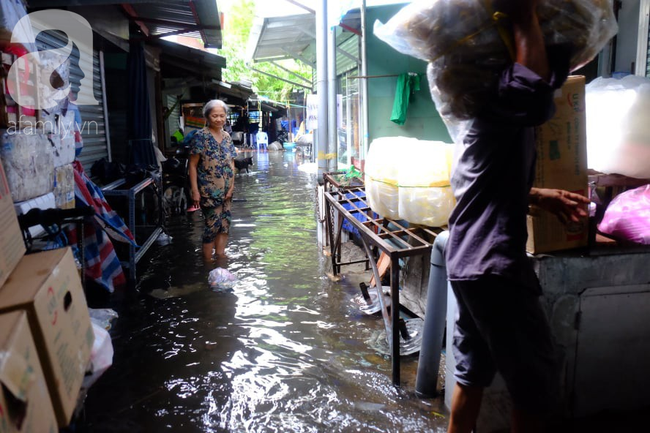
(207, 251)
(220, 244)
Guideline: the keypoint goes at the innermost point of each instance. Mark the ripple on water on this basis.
(284, 352)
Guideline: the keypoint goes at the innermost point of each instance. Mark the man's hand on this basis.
(565, 205)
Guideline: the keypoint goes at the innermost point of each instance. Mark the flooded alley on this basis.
(285, 351)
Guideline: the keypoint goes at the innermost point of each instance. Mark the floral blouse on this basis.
(214, 173)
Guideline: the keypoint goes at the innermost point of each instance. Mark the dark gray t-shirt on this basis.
(492, 177)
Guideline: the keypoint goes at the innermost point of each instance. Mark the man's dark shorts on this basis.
(500, 326)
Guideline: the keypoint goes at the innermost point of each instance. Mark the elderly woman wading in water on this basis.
(212, 177)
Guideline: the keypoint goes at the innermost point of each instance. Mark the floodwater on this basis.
(285, 351)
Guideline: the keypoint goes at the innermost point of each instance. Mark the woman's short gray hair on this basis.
(211, 105)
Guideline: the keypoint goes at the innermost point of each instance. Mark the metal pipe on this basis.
(394, 319)
(434, 321)
(332, 132)
(321, 85)
(363, 91)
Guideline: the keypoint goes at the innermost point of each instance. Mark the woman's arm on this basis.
(194, 184)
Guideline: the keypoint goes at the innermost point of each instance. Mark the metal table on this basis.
(114, 190)
(377, 234)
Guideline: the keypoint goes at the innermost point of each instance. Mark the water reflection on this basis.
(286, 351)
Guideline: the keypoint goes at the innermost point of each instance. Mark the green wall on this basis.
(422, 121)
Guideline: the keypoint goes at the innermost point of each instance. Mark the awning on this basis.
(279, 38)
(231, 93)
(294, 36)
(192, 18)
(180, 61)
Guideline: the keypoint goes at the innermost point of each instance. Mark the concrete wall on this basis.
(626, 40)
(423, 121)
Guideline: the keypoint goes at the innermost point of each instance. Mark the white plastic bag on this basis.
(221, 279)
(101, 355)
(103, 317)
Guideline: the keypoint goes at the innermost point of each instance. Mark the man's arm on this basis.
(529, 40)
(565, 205)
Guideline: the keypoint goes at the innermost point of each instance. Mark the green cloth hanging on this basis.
(406, 85)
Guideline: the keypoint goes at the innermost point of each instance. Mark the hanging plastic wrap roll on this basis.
(28, 163)
(467, 43)
(381, 171)
(408, 179)
(618, 131)
(425, 195)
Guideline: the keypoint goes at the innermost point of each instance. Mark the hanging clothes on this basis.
(407, 84)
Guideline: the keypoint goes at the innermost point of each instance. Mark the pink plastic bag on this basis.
(628, 216)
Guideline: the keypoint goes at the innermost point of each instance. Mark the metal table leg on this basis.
(394, 295)
(390, 317)
(132, 228)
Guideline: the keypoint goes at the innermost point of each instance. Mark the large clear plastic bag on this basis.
(618, 131)
(467, 44)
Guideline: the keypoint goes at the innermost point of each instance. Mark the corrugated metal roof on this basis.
(193, 18)
(277, 38)
(179, 60)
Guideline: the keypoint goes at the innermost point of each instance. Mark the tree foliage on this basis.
(237, 28)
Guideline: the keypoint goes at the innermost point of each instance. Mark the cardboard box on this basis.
(12, 246)
(25, 405)
(47, 286)
(561, 164)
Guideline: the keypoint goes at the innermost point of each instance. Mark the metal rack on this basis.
(115, 189)
(377, 234)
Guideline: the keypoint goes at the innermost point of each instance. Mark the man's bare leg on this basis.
(465, 406)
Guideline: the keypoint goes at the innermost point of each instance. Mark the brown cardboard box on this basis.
(47, 286)
(12, 247)
(561, 164)
(25, 405)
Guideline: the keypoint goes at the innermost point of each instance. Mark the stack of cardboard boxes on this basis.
(45, 331)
